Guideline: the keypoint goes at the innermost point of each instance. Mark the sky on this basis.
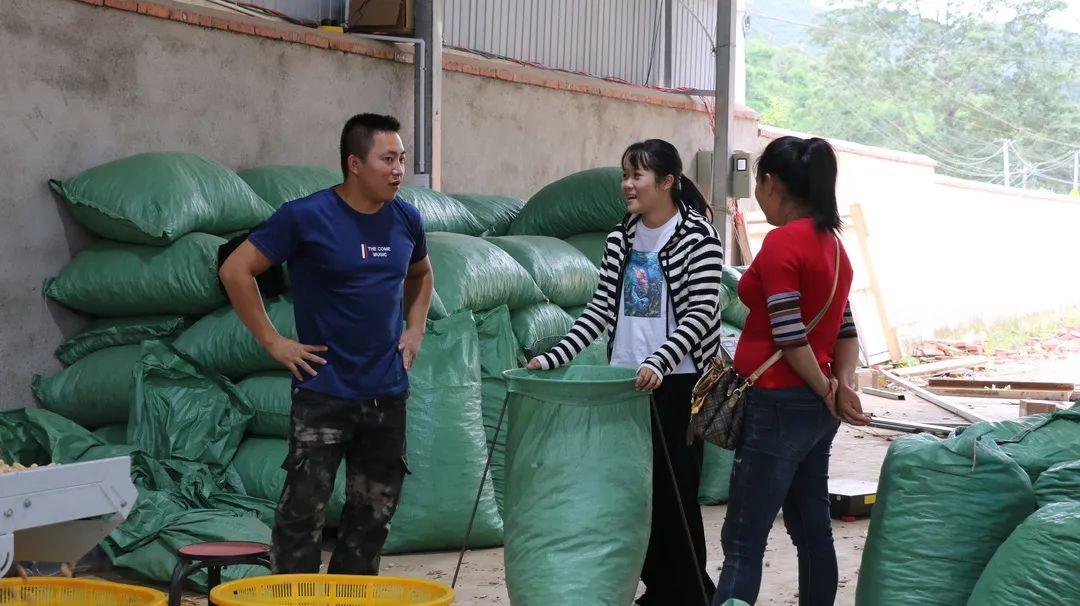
(1068, 19)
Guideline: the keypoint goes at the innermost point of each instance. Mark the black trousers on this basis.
(669, 573)
(370, 436)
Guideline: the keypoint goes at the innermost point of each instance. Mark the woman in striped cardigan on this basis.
(658, 299)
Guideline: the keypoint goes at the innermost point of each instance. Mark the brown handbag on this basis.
(718, 402)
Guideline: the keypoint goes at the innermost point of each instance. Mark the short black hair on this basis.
(358, 134)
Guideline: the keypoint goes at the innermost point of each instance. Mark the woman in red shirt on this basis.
(794, 409)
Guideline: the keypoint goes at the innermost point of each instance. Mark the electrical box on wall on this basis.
(381, 17)
(740, 175)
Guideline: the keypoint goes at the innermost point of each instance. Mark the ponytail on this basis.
(691, 196)
(820, 161)
(807, 168)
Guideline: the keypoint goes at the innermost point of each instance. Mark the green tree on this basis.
(953, 87)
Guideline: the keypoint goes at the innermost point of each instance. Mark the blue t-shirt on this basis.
(347, 271)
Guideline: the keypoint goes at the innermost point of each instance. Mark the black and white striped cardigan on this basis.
(692, 261)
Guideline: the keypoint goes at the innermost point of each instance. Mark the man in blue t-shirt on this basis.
(358, 264)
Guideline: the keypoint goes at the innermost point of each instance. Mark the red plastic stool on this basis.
(213, 557)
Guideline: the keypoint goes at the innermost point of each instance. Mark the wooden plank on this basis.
(859, 221)
(1002, 384)
(1034, 407)
(941, 366)
(964, 413)
(881, 393)
(1003, 394)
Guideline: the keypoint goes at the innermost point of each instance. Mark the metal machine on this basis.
(59, 513)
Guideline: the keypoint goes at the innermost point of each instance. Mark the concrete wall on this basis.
(81, 85)
(951, 254)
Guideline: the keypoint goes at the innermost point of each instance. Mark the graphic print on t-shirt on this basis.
(643, 286)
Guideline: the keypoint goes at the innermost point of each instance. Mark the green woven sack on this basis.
(499, 352)
(495, 213)
(1060, 483)
(221, 343)
(1037, 442)
(540, 327)
(564, 275)
(155, 198)
(441, 212)
(473, 274)
(95, 391)
(116, 280)
(578, 486)
(100, 334)
(1037, 564)
(270, 396)
(592, 245)
(588, 201)
(715, 475)
(113, 434)
(943, 508)
(280, 184)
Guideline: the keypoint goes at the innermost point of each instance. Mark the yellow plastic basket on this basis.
(48, 591)
(331, 590)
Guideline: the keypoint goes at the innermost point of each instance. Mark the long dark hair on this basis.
(663, 159)
(807, 168)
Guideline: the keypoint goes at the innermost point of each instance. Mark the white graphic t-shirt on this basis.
(645, 318)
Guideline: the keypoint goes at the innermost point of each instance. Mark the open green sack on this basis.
(155, 198)
(564, 275)
(589, 201)
(943, 508)
(495, 213)
(440, 212)
(1038, 563)
(111, 332)
(116, 280)
(473, 274)
(97, 390)
(591, 245)
(578, 486)
(540, 327)
(1060, 483)
(270, 396)
(221, 343)
(280, 184)
(715, 475)
(183, 412)
(499, 352)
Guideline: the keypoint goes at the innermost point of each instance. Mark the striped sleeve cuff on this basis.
(847, 325)
(785, 318)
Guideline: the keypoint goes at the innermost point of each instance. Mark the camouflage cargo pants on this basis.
(370, 436)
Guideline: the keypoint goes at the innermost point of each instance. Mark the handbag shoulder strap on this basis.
(813, 323)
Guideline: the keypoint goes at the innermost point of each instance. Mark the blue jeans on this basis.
(782, 462)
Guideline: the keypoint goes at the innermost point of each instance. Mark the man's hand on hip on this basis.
(409, 346)
(296, 356)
